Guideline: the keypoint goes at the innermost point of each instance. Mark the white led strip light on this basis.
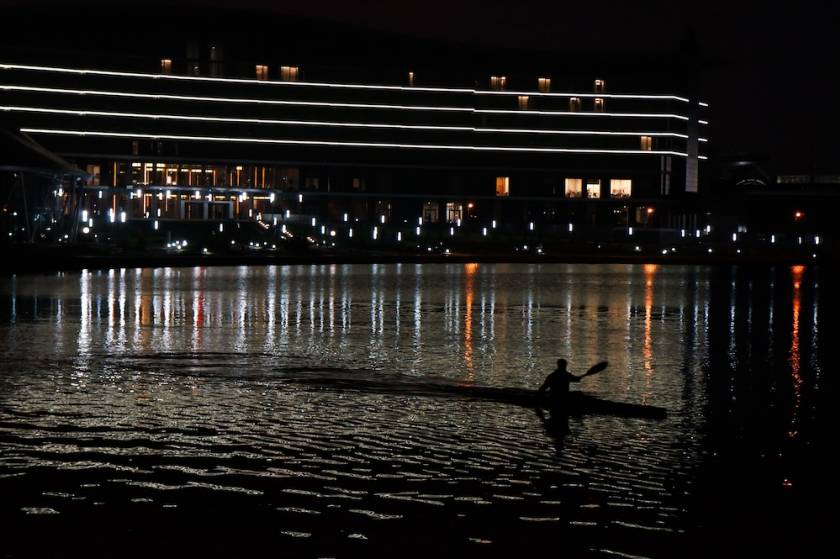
(152, 116)
(584, 95)
(578, 113)
(339, 144)
(229, 99)
(158, 96)
(79, 71)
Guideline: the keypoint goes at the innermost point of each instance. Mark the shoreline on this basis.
(38, 260)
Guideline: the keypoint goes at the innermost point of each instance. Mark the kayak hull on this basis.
(577, 403)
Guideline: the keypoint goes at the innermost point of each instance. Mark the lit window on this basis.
(646, 143)
(599, 105)
(262, 72)
(620, 188)
(599, 86)
(574, 104)
(502, 186)
(523, 102)
(793, 179)
(411, 79)
(430, 212)
(359, 184)
(454, 211)
(498, 83)
(544, 85)
(95, 175)
(165, 66)
(290, 73)
(574, 188)
(593, 188)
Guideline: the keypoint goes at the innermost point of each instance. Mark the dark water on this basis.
(135, 403)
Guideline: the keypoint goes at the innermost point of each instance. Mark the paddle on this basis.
(597, 368)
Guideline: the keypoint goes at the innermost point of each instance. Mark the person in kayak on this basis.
(556, 385)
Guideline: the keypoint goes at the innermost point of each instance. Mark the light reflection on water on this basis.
(179, 380)
(322, 309)
(795, 372)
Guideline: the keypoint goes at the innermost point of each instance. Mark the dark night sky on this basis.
(768, 71)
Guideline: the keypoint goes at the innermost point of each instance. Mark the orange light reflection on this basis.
(795, 372)
(647, 343)
(469, 289)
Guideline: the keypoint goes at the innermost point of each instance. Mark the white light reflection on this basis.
(417, 346)
(84, 312)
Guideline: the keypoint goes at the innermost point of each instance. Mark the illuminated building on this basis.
(181, 140)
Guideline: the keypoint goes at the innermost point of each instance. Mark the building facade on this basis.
(186, 143)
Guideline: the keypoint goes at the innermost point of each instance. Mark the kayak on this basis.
(578, 403)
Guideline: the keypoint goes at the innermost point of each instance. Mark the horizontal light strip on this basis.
(9, 108)
(231, 119)
(585, 95)
(338, 144)
(574, 113)
(158, 96)
(703, 121)
(702, 104)
(326, 84)
(231, 99)
(582, 132)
